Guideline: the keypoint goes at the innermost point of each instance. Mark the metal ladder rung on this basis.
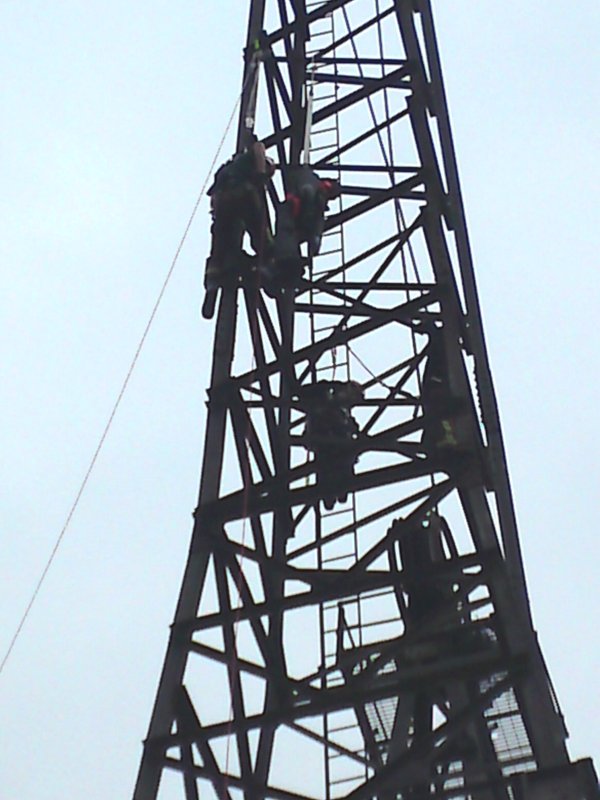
(320, 272)
(319, 98)
(321, 132)
(324, 369)
(328, 514)
(359, 752)
(317, 34)
(331, 252)
(323, 128)
(338, 781)
(322, 328)
(339, 728)
(362, 625)
(338, 558)
(315, 132)
(322, 95)
(321, 147)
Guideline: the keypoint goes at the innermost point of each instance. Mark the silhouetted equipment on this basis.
(428, 593)
(353, 620)
(448, 436)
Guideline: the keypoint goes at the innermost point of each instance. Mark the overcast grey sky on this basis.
(111, 115)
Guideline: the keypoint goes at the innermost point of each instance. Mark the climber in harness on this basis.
(331, 433)
(301, 218)
(238, 206)
(308, 198)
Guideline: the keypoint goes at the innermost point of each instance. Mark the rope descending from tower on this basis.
(122, 390)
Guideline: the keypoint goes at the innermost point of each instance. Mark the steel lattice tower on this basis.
(384, 649)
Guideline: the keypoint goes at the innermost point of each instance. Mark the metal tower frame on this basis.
(384, 649)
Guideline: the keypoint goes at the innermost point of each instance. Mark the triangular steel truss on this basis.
(383, 649)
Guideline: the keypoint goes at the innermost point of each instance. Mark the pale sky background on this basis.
(111, 113)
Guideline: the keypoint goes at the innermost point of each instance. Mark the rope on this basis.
(122, 390)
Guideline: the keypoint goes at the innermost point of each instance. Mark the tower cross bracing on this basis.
(382, 648)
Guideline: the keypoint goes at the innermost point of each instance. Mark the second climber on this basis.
(301, 218)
